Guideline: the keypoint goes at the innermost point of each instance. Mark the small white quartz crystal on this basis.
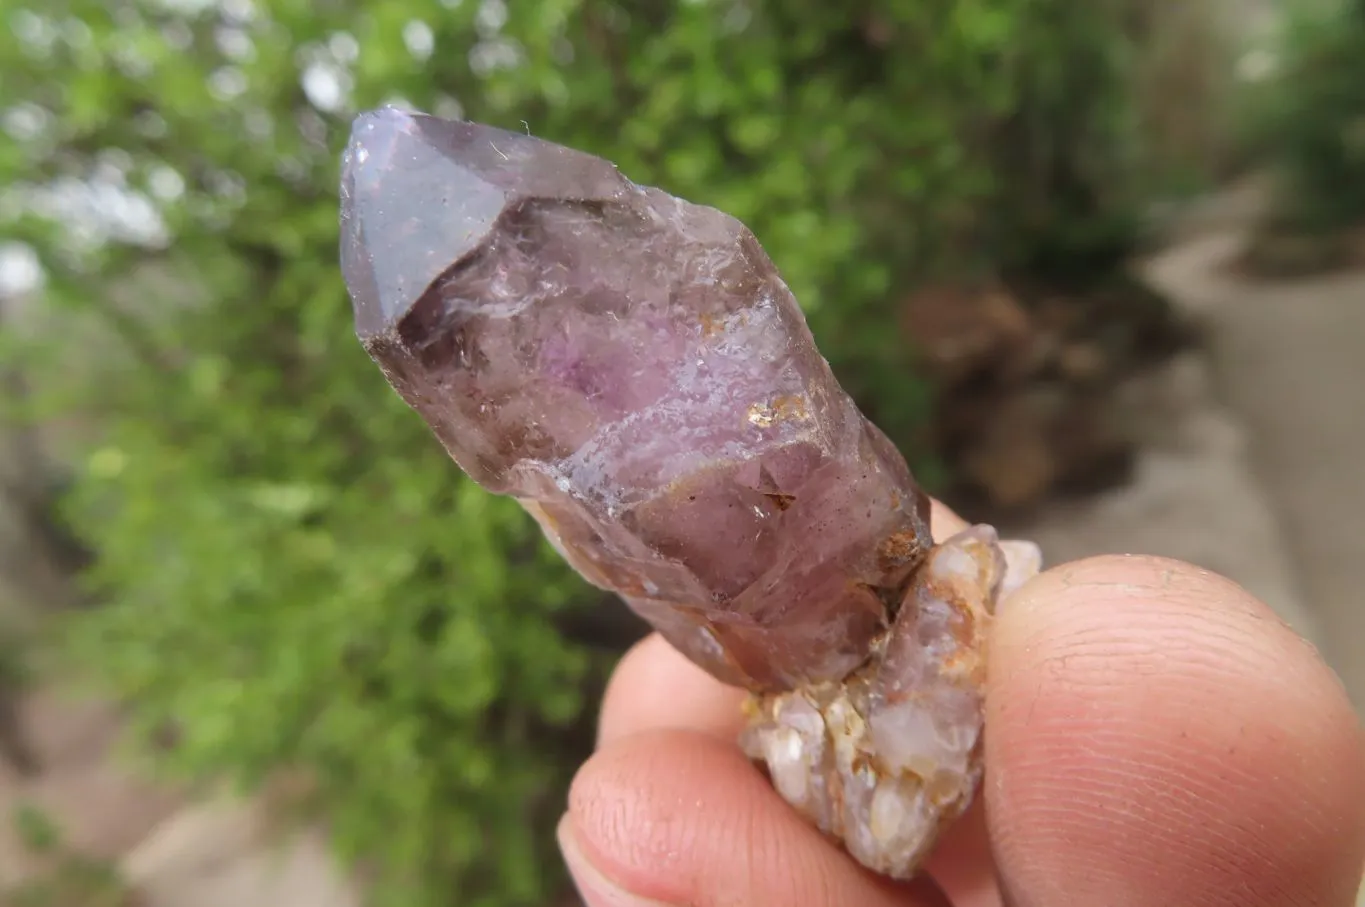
(885, 759)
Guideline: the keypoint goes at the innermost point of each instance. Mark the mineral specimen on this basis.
(632, 369)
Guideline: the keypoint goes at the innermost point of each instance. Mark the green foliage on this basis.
(36, 830)
(73, 882)
(14, 660)
(1067, 152)
(293, 574)
(65, 879)
(1311, 122)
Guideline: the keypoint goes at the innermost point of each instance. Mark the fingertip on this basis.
(943, 521)
(680, 817)
(655, 686)
(594, 887)
(1157, 735)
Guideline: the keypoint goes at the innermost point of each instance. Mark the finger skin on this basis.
(962, 863)
(654, 687)
(681, 817)
(943, 521)
(1155, 735)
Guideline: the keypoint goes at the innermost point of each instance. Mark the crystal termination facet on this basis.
(633, 370)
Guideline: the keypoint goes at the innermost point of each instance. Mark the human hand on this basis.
(1155, 736)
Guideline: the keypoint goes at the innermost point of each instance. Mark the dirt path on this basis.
(1289, 360)
(1254, 459)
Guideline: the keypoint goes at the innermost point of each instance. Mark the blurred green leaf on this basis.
(1309, 118)
(36, 830)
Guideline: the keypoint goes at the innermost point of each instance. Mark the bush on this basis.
(64, 878)
(1066, 156)
(293, 576)
(1310, 124)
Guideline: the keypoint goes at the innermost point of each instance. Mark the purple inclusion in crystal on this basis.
(632, 369)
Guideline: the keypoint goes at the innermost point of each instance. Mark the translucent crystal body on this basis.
(632, 369)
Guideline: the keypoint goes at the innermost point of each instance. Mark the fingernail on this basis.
(594, 888)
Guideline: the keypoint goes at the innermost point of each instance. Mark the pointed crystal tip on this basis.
(409, 210)
(419, 194)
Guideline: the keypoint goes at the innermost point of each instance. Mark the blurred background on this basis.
(1097, 266)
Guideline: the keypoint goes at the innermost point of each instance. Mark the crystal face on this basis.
(634, 371)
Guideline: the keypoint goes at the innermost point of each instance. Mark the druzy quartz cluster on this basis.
(632, 369)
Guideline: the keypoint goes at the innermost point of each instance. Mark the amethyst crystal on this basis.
(632, 369)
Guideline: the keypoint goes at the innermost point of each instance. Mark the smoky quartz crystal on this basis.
(632, 369)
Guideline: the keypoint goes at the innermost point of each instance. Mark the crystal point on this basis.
(633, 370)
(420, 194)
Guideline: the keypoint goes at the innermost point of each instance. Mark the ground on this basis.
(1252, 467)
